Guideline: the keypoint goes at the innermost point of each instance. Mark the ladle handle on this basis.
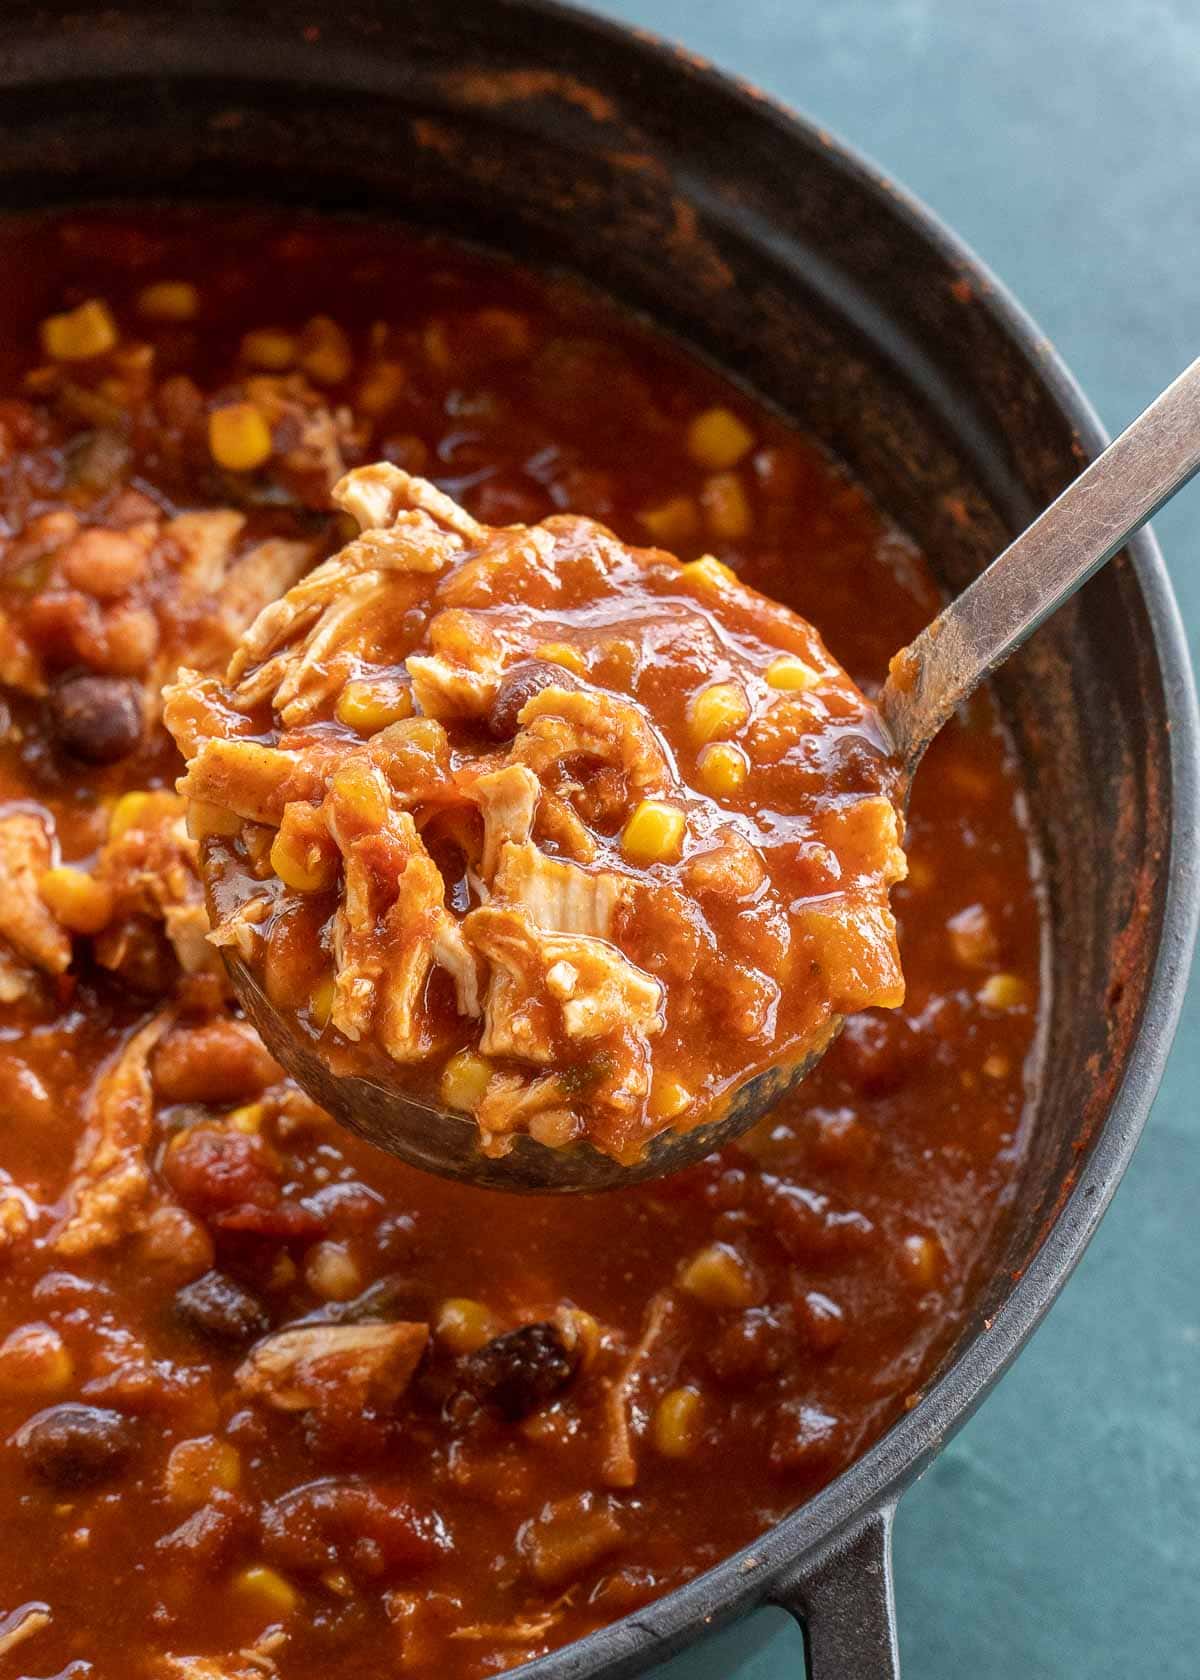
(1092, 519)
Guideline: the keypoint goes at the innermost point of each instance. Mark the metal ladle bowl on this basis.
(1076, 535)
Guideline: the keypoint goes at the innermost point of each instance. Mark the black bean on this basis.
(516, 1373)
(521, 682)
(75, 1446)
(222, 1310)
(97, 719)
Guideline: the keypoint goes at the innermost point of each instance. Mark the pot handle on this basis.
(846, 1606)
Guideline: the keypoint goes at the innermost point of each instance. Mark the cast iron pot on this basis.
(799, 268)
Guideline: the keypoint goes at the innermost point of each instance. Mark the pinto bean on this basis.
(106, 563)
(220, 1062)
(96, 719)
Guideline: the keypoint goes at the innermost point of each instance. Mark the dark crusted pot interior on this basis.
(753, 241)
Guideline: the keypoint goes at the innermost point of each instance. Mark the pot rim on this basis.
(764, 1571)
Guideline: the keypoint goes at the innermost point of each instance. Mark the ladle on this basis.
(1089, 522)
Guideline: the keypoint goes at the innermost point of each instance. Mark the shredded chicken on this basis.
(462, 676)
(378, 495)
(21, 1625)
(625, 1410)
(206, 541)
(558, 724)
(391, 882)
(35, 938)
(17, 1213)
(511, 1104)
(285, 655)
(243, 1665)
(345, 1366)
(523, 1630)
(508, 800)
(110, 1179)
(152, 870)
(510, 565)
(261, 575)
(557, 896)
(240, 931)
(254, 781)
(537, 976)
(560, 825)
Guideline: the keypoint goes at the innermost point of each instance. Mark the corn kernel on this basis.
(239, 438)
(79, 334)
(248, 1118)
(269, 349)
(717, 711)
(996, 1067)
(80, 902)
(718, 439)
(791, 674)
(668, 1098)
(654, 833)
(301, 863)
(198, 1468)
(205, 820)
(34, 1361)
(331, 1272)
(708, 572)
(678, 1423)
(382, 388)
(726, 507)
(673, 523)
(1003, 991)
(320, 1002)
(462, 1325)
(358, 792)
(325, 353)
(558, 653)
(134, 810)
(370, 707)
(266, 1590)
(169, 300)
(921, 1260)
(719, 1277)
(464, 1080)
(722, 767)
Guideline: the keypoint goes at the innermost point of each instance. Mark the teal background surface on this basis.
(1058, 1537)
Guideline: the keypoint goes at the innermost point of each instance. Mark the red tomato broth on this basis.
(913, 1123)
